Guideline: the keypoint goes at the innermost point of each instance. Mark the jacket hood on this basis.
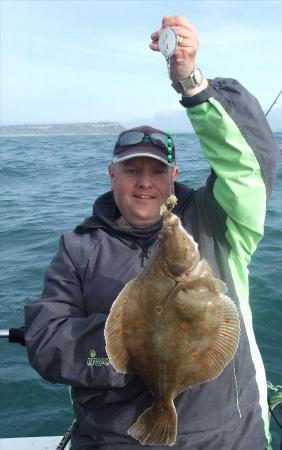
(105, 213)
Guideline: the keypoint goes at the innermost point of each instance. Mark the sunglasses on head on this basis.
(137, 137)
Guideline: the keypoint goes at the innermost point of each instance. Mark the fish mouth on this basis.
(187, 273)
(174, 276)
(184, 275)
(191, 269)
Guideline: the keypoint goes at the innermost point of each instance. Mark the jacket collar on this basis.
(105, 213)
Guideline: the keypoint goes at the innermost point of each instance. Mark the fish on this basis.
(173, 325)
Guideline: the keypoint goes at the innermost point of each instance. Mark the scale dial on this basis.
(167, 42)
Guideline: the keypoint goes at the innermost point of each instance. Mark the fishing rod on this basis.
(15, 335)
(273, 103)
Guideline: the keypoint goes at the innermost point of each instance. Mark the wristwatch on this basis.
(193, 80)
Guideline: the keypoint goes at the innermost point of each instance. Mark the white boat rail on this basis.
(31, 443)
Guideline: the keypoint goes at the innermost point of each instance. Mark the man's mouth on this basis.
(144, 196)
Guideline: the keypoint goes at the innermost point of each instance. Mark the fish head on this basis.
(177, 249)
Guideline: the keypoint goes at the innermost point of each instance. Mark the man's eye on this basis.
(160, 171)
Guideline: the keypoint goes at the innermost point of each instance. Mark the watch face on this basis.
(167, 42)
(198, 77)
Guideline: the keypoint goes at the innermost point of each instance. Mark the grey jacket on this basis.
(65, 328)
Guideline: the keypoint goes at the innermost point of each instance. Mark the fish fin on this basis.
(225, 346)
(156, 426)
(115, 346)
(220, 285)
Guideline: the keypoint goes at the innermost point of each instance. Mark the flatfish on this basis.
(173, 325)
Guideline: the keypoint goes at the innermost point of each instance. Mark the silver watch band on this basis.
(193, 80)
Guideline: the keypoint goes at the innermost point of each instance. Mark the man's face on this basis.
(140, 185)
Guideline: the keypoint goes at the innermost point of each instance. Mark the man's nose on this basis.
(144, 179)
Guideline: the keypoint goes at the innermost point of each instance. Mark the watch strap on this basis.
(192, 81)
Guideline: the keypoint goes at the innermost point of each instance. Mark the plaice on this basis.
(174, 325)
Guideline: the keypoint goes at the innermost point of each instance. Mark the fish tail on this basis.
(156, 425)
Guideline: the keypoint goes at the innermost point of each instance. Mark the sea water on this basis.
(48, 186)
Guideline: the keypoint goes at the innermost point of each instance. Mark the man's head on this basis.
(142, 175)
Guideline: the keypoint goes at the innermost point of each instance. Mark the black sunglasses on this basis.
(137, 137)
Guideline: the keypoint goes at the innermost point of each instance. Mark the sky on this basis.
(88, 60)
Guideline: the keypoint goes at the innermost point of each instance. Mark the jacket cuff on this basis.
(197, 99)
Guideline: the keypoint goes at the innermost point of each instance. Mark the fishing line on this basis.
(167, 43)
(236, 388)
(274, 417)
(7, 306)
(268, 111)
(171, 189)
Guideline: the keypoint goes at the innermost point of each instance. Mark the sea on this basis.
(48, 186)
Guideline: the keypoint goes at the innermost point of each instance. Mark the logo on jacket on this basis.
(94, 361)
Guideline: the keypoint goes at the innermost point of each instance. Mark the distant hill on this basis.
(176, 121)
(62, 129)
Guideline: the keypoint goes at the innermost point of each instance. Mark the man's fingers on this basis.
(189, 39)
(186, 32)
(181, 26)
(183, 60)
(177, 21)
(154, 46)
(155, 41)
(183, 32)
(155, 36)
(186, 38)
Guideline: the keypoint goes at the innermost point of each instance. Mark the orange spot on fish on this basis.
(136, 323)
(180, 379)
(141, 289)
(162, 366)
(184, 325)
(182, 305)
(204, 366)
(228, 321)
(205, 330)
(195, 356)
(224, 333)
(172, 344)
(178, 334)
(158, 310)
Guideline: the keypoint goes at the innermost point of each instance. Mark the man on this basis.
(65, 328)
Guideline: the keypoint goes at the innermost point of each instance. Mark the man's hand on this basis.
(183, 62)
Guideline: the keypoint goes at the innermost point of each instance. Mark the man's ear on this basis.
(111, 171)
(175, 173)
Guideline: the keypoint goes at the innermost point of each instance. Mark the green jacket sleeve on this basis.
(238, 144)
